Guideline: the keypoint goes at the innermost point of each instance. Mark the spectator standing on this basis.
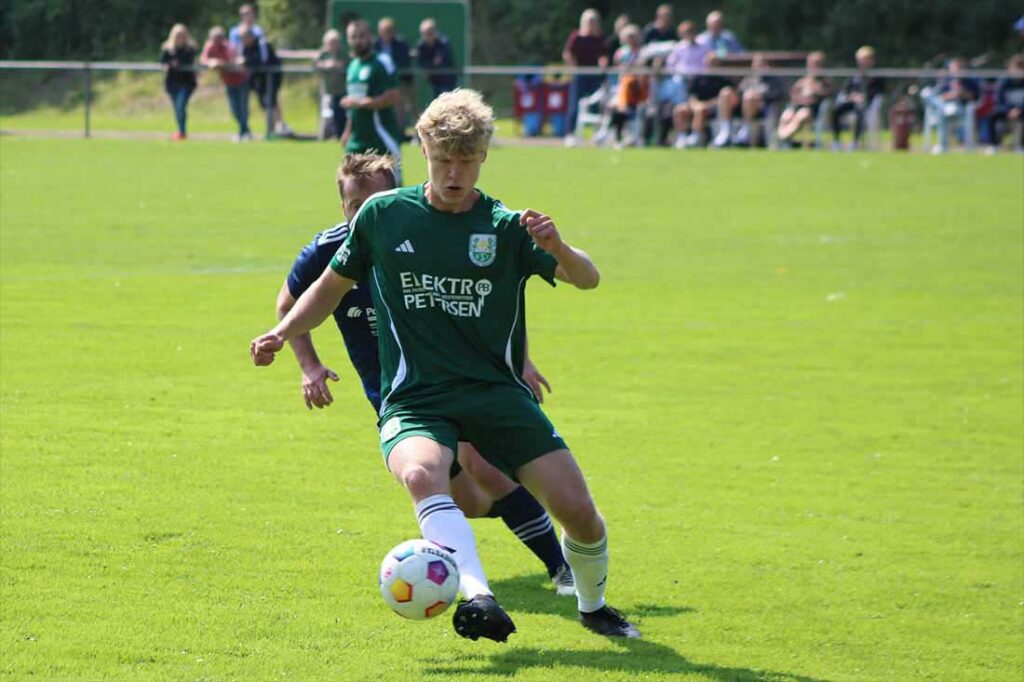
(757, 93)
(221, 56)
(371, 99)
(662, 29)
(716, 38)
(434, 55)
(949, 99)
(178, 56)
(263, 65)
(267, 59)
(805, 98)
(1009, 105)
(390, 43)
(584, 47)
(856, 97)
(246, 20)
(612, 42)
(331, 64)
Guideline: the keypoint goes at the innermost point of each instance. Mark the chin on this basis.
(450, 197)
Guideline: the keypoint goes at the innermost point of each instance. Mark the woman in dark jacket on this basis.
(179, 58)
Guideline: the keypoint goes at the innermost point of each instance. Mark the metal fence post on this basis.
(88, 98)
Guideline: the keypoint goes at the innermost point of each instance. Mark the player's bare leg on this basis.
(422, 465)
(518, 509)
(557, 481)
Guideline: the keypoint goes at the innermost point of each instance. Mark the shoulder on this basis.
(502, 215)
(379, 202)
(333, 235)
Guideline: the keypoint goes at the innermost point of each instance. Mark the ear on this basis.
(485, 157)
(423, 148)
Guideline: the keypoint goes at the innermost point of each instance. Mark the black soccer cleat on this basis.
(609, 622)
(481, 616)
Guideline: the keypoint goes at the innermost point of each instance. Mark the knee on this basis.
(581, 520)
(423, 481)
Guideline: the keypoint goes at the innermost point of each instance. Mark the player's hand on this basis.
(314, 386)
(542, 229)
(262, 349)
(535, 379)
(350, 102)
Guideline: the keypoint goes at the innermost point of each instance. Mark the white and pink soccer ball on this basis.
(419, 579)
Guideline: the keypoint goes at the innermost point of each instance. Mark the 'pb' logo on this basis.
(482, 249)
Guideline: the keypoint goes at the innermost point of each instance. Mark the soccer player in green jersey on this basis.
(447, 266)
(479, 489)
(373, 94)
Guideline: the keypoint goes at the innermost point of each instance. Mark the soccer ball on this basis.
(419, 579)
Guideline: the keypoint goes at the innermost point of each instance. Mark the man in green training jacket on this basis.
(372, 87)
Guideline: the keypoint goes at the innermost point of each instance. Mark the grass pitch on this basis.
(797, 395)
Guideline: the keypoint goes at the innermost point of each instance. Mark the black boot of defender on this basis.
(609, 622)
(482, 617)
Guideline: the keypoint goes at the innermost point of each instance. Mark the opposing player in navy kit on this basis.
(485, 491)
(447, 266)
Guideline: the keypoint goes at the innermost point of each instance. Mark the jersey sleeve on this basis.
(306, 269)
(532, 260)
(314, 259)
(354, 259)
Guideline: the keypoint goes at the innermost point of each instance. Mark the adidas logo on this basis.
(405, 247)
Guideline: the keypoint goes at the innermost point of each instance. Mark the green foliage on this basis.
(906, 32)
(796, 395)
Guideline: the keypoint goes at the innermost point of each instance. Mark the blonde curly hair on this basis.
(459, 123)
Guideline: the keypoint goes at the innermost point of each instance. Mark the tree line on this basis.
(905, 32)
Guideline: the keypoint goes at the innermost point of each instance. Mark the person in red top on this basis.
(221, 56)
(585, 47)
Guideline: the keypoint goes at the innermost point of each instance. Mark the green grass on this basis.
(797, 396)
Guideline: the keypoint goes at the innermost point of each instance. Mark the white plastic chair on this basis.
(592, 111)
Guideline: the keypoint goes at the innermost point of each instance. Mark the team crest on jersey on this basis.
(390, 429)
(364, 73)
(482, 249)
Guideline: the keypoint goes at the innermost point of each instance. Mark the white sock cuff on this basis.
(587, 548)
(433, 504)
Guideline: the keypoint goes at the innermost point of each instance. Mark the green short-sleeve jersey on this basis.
(448, 289)
(372, 129)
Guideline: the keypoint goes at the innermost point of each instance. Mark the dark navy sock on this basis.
(528, 519)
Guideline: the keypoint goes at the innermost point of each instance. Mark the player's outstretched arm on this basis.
(309, 311)
(315, 390)
(574, 265)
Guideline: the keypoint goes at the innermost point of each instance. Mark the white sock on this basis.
(443, 523)
(589, 564)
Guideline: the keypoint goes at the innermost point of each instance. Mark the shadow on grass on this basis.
(533, 594)
(634, 657)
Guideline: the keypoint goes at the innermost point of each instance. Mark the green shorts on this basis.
(504, 423)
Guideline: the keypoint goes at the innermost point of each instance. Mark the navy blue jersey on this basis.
(355, 316)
